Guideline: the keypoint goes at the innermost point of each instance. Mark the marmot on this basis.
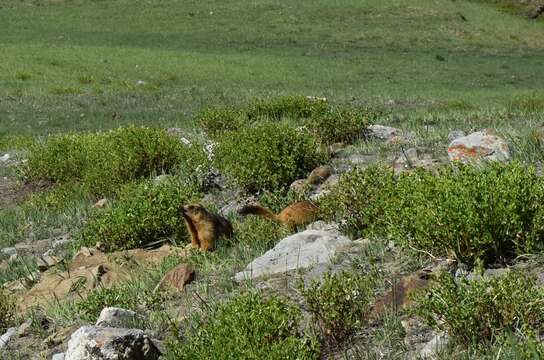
(205, 228)
(299, 213)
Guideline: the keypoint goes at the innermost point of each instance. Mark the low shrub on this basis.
(267, 156)
(258, 233)
(339, 303)
(475, 213)
(341, 124)
(482, 311)
(293, 107)
(125, 296)
(144, 212)
(215, 121)
(490, 213)
(103, 161)
(360, 200)
(248, 327)
(7, 311)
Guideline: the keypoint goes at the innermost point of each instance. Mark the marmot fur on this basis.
(205, 228)
(299, 213)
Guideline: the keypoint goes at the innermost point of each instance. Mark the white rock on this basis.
(9, 251)
(117, 317)
(4, 339)
(456, 134)
(479, 146)
(5, 157)
(104, 343)
(59, 356)
(433, 347)
(298, 251)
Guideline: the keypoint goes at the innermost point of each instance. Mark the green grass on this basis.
(71, 64)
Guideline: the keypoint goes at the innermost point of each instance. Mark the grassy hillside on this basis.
(69, 65)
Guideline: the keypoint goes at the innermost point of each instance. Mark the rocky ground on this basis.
(62, 275)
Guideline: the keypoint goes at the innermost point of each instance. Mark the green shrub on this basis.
(476, 213)
(145, 212)
(7, 311)
(341, 124)
(481, 311)
(258, 233)
(215, 121)
(293, 107)
(360, 200)
(248, 327)
(491, 213)
(267, 155)
(339, 303)
(103, 161)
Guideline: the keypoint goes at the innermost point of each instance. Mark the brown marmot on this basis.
(205, 228)
(299, 213)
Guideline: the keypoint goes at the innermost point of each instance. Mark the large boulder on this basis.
(480, 145)
(105, 343)
(298, 251)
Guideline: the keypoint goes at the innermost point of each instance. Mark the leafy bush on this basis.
(480, 311)
(491, 213)
(267, 156)
(218, 120)
(475, 213)
(360, 200)
(260, 233)
(145, 212)
(103, 161)
(340, 302)
(294, 107)
(7, 311)
(248, 327)
(341, 124)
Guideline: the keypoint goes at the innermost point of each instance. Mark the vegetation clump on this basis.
(340, 303)
(268, 155)
(144, 212)
(7, 311)
(248, 327)
(105, 160)
(491, 213)
(483, 311)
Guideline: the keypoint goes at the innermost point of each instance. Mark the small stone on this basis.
(383, 132)
(9, 251)
(336, 148)
(100, 204)
(320, 174)
(176, 278)
(5, 158)
(435, 346)
(24, 328)
(85, 251)
(299, 185)
(4, 339)
(59, 356)
(47, 261)
(117, 317)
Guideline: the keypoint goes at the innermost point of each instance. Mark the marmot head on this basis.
(193, 211)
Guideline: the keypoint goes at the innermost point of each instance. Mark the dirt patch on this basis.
(13, 192)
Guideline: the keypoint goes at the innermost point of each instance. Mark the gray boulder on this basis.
(298, 251)
(106, 343)
(6, 337)
(478, 146)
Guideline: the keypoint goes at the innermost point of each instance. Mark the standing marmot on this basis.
(205, 228)
(299, 213)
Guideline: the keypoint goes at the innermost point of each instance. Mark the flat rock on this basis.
(106, 343)
(59, 356)
(118, 317)
(47, 261)
(9, 251)
(434, 346)
(176, 278)
(479, 146)
(298, 251)
(456, 134)
(386, 133)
